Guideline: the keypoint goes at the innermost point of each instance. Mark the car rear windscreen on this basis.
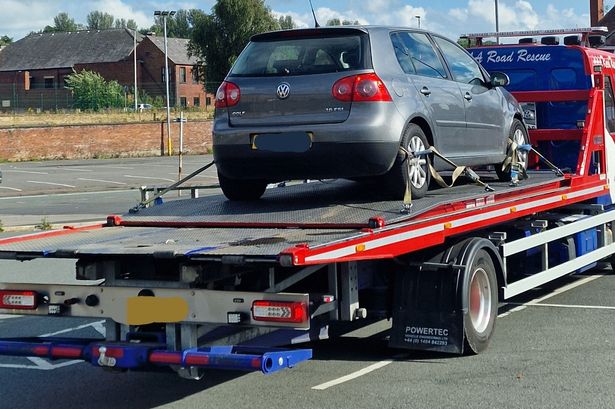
(301, 56)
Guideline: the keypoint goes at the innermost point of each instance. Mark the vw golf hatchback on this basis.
(339, 102)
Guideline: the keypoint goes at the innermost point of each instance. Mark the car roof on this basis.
(350, 29)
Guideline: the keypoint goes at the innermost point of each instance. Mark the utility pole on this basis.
(164, 15)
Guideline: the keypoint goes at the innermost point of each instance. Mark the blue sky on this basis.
(451, 18)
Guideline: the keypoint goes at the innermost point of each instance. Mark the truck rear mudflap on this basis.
(128, 355)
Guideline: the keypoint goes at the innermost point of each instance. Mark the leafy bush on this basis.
(92, 92)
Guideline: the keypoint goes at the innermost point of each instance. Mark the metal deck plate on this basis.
(340, 203)
(336, 203)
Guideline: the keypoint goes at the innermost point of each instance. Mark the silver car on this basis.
(339, 102)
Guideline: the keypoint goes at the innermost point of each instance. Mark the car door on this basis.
(441, 96)
(486, 131)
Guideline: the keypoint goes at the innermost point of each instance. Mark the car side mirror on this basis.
(499, 79)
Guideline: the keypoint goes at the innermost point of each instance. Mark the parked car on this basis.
(338, 102)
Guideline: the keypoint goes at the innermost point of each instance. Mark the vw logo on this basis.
(283, 90)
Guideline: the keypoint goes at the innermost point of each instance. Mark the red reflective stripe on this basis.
(55, 233)
(112, 352)
(197, 359)
(65, 352)
(551, 96)
(165, 358)
(256, 363)
(42, 350)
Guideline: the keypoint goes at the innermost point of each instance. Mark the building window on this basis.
(183, 101)
(162, 74)
(49, 83)
(196, 101)
(65, 81)
(182, 74)
(208, 101)
(195, 75)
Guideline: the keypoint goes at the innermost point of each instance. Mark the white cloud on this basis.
(119, 9)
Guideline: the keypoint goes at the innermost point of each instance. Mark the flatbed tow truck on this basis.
(208, 283)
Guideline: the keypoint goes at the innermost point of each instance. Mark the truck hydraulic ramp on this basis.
(200, 283)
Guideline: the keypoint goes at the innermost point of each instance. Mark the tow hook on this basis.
(104, 360)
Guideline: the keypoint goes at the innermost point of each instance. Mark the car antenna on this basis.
(314, 14)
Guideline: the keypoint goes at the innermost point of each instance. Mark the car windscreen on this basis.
(301, 56)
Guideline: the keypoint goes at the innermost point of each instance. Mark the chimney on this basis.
(596, 11)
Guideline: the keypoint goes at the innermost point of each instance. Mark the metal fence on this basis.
(15, 99)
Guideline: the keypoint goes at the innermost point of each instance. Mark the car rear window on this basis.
(301, 56)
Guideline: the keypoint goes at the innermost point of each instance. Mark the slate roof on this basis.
(62, 50)
(609, 21)
(177, 49)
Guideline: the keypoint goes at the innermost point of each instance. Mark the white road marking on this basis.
(102, 181)
(25, 171)
(11, 188)
(50, 183)
(583, 307)
(9, 316)
(64, 331)
(104, 192)
(148, 177)
(355, 374)
(552, 294)
(44, 365)
(75, 169)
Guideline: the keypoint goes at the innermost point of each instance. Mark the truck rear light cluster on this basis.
(279, 311)
(361, 88)
(18, 299)
(228, 95)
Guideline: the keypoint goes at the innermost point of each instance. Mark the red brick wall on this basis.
(88, 141)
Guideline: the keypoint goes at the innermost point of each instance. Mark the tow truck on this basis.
(204, 282)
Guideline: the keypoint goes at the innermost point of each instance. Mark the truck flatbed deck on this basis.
(313, 216)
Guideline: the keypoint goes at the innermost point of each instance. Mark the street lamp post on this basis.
(418, 18)
(164, 14)
(497, 22)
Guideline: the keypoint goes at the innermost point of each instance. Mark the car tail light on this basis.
(360, 88)
(17, 299)
(228, 95)
(279, 311)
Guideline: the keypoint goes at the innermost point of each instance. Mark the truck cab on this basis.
(552, 82)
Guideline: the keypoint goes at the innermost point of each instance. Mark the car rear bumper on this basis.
(321, 161)
(366, 144)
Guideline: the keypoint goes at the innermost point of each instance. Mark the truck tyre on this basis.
(482, 301)
(241, 190)
(519, 135)
(417, 173)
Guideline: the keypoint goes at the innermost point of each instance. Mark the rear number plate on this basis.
(282, 142)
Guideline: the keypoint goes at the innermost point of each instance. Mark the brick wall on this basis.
(89, 141)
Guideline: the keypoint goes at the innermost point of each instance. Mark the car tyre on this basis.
(241, 190)
(518, 134)
(417, 176)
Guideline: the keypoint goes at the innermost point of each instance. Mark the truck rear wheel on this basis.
(482, 301)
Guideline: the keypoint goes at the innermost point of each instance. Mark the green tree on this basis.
(5, 40)
(123, 23)
(179, 26)
(338, 22)
(62, 22)
(92, 92)
(218, 38)
(286, 22)
(98, 20)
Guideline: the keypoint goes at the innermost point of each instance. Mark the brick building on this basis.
(33, 69)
